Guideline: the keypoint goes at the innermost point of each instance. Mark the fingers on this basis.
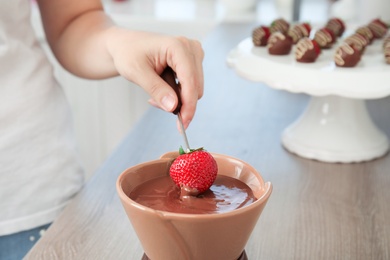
(186, 60)
(162, 95)
(141, 57)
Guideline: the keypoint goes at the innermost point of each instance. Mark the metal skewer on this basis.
(183, 131)
(169, 76)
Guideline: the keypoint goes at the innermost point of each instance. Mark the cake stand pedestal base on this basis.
(335, 129)
(243, 256)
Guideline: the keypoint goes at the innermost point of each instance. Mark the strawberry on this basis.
(279, 25)
(307, 26)
(307, 50)
(317, 47)
(378, 28)
(342, 24)
(194, 171)
(331, 33)
(380, 22)
(260, 35)
(366, 32)
(325, 38)
(336, 25)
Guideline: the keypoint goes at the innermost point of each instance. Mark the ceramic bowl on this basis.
(167, 235)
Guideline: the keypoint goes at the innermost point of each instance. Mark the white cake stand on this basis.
(336, 126)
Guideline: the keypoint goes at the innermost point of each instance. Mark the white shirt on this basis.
(39, 168)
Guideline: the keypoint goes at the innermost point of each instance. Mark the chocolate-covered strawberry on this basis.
(299, 31)
(279, 25)
(357, 41)
(378, 28)
(279, 44)
(194, 172)
(336, 25)
(386, 51)
(386, 41)
(260, 36)
(366, 32)
(325, 38)
(346, 56)
(307, 50)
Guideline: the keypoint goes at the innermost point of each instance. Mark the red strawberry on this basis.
(307, 50)
(378, 28)
(366, 32)
(317, 47)
(331, 33)
(336, 25)
(267, 31)
(380, 22)
(308, 28)
(260, 36)
(194, 171)
(342, 25)
(279, 25)
(325, 38)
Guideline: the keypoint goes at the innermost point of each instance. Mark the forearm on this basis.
(81, 48)
(88, 44)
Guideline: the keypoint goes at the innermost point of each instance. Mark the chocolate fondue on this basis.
(226, 194)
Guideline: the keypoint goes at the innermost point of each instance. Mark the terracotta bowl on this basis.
(166, 235)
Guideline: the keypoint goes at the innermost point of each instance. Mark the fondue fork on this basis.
(169, 76)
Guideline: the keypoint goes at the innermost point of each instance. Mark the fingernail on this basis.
(167, 102)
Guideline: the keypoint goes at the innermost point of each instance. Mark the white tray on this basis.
(336, 126)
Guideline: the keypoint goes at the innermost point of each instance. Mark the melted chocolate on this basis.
(306, 51)
(279, 44)
(346, 56)
(226, 194)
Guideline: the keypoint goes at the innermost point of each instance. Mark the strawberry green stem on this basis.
(181, 150)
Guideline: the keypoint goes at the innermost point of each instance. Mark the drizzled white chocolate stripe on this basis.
(322, 38)
(387, 52)
(378, 29)
(335, 26)
(357, 40)
(279, 25)
(364, 30)
(274, 38)
(258, 35)
(385, 41)
(297, 32)
(338, 55)
(303, 46)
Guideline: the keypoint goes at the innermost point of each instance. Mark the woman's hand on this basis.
(88, 44)
(141, 57)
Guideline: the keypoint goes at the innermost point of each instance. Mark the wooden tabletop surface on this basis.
(316, 211)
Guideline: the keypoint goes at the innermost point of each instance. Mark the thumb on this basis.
(161, 93)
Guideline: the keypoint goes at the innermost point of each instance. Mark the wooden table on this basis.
(317, 210)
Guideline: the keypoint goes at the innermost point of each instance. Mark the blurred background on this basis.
(105, 111)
